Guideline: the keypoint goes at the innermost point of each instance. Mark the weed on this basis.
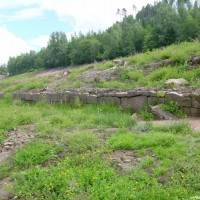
(132, 141)
(146, 114)
(106, 65)
(82, 142)
(173, 108)
(36, 153)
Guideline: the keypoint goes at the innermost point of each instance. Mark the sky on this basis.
(26, 24)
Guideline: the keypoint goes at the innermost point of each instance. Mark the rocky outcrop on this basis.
(193, 60)
(187, 99)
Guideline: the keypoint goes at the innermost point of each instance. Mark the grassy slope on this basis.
(169, 167)
(128, 77)
(66, 159)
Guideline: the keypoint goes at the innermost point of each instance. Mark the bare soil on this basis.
(15, 139)
(4, 190)
(124, 160)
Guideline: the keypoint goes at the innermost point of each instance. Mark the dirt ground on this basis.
(124, 160)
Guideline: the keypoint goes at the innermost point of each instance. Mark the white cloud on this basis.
(39, 42)
(23, 14)
(82, 15)
(11, 45)
(90, 14)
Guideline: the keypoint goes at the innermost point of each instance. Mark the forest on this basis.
(154, 26)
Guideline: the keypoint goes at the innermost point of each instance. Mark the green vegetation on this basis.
(146, 114)
(36, 153)
(100, 151)
(106, 65)
(173, 108)
(183, 52)
(124, 77)
(70, 155)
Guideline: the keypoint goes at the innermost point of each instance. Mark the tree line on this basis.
(154, 26)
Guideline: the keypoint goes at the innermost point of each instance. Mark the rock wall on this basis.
(187, 99)
(1, 96)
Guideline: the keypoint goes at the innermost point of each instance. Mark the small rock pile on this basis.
(15, 139)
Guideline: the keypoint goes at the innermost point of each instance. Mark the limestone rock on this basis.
(65, 73)
(162, 114)
(176, 82)
(119, 62)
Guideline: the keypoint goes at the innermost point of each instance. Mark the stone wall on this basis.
(1, 96)
(187, 99)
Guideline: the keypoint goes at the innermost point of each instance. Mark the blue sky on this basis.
(27, 24)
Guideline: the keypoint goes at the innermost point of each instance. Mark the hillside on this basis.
(101, 151)
(150, 69)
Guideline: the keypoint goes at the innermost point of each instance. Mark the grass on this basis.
(129, 140)
(81, 142)
(133, 75)
(105, 65)
(183, 52)
(36, 153)
(173, 108)
(66, 159)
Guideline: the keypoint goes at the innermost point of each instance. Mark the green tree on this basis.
(57, 50)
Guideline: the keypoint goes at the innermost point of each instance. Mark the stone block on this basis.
(155, 100)
(91, 99)
(69, 97)
(109, 100)
(47, 97)
(134, 93)
(137, 103)
(195, 103)
(1, 96)
(28, 96)
(187, 111)
(151, 93)
(196, 96)
(195, 112)
(83, 97)
(117, 94)
(37, 97)
(183, 100)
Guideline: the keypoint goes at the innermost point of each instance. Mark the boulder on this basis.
(176, 82)
(162, 114)
(65, 73)
(119, 62)
(193, 60)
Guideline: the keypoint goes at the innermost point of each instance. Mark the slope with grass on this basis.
(141, 70)
(80, 152)
(98, 151)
